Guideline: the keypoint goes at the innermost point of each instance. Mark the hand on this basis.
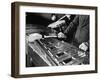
(83, 46)
(56, 24)
(81, 54)
(61, 35)
(34, 36)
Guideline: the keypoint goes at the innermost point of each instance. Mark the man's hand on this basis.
(83, 46)
(34, 36)
(56, 24)
(61, 35)
(81, 54)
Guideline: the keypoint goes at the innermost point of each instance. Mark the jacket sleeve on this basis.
(72, 26)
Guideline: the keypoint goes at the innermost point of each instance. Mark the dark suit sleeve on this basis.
(72, 26)
(82, 33)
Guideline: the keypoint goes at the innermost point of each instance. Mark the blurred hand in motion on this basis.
(61, 35)
(81, 54)
(34, 36)
(56, 24)
(84, 47)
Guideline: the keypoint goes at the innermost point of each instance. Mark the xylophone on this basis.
(57, 53)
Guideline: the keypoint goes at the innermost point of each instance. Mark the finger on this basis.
(80, 46)
(81, 54)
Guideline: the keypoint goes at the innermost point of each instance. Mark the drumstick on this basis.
(49, 36)
(62, 17)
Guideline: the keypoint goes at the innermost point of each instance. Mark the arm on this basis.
(73, 25)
